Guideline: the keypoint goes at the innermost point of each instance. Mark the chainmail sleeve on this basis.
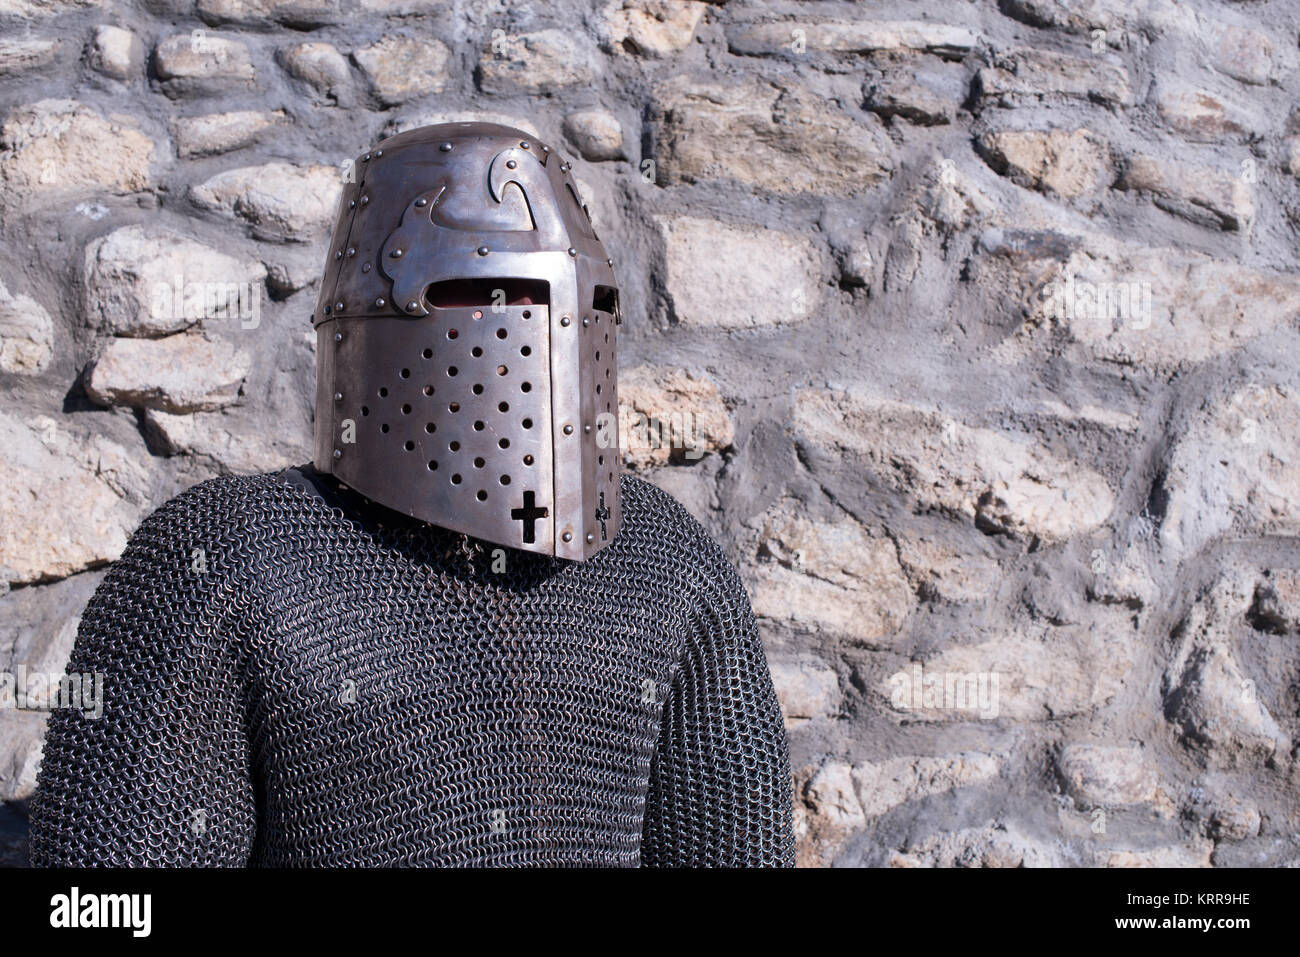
(720, 787)
(162, 777)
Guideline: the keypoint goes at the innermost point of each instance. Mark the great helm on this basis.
(466, 334)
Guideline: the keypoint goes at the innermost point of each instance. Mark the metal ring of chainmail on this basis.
(293, 678)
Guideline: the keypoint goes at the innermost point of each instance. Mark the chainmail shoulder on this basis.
(296, 678)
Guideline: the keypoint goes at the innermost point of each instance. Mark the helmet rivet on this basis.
(421, 202)
(339, 254)
(396, 254)
(586, 321)
(352, 204)
(338, 396)
(338, 337)
(412, 306)
(568, 429)
(339, 305)
(445, 147)
(545, 148)
(587, 429)
(365, 200)
(338, 454)
(381, 302)
(511, 164)
(609, 262)
(365, 267)
(572, 251)
(567, 536)
(378, 153)
(523, 144)
(565, 320)
(352, 250)
(590, 538)
(482, 250)
(366, 158)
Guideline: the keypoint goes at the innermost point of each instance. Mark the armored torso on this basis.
(341, 685)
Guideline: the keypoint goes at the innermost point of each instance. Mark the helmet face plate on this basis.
(466, 343)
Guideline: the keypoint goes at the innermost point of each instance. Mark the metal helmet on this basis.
(466, 334)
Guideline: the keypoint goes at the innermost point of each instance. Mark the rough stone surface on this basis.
(142, 282)
(670, 415)
(114, 52)
(728, 277)
(536, 62)
(1104, 775)
(303, 14)
(400, 68)
(851, 37)
(187, 372)
(37, 635)
(1033, 77)
(57, 147)
(26, 334)
(993, 846)
(992, 478)
(69, 500)
(19, 56)
(1034, 674)
(1195, 854)
(652, 28)
(227, 442)
(278, 200)
(884, 785)
(828, 576)
(201, 63)
(777, 137)
(322, 67)
(1160, 308)
(1058, 161)
(1202, 194)
(1237, 465)
(213, 133)
(808, 690)
(596, 134)
(1201, 115)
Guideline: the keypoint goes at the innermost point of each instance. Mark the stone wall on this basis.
(985, 313)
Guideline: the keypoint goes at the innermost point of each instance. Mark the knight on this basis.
(460, 636)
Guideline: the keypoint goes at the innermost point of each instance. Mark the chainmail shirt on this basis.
(296, 678)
